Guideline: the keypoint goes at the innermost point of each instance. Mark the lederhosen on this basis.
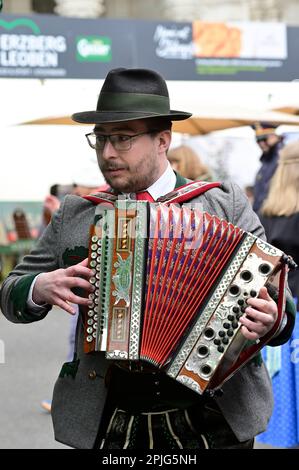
(149, 410)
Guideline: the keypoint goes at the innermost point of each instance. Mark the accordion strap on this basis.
(188, 191)
(179, 195)
(99, 198)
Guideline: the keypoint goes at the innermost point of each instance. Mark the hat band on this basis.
(133, 102)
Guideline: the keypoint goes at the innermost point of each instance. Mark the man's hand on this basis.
(260, 316)
(54, 288)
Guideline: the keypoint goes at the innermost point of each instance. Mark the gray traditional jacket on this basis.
(80, 391)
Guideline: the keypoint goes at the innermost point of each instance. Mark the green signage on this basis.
(25, 22)
(93, 49)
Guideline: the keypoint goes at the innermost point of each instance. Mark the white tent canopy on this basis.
(34, 157)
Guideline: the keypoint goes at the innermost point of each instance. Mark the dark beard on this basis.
(138, 177)
(131, 186)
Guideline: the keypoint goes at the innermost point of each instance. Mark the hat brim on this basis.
(96, 117)
(259, 138)
(264, 136)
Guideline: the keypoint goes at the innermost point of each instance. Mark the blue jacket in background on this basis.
(269, 163)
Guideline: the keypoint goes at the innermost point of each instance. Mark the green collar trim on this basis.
(19, 296)
(20, 291)
(180, 180)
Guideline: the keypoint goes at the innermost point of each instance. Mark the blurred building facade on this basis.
(286, 11)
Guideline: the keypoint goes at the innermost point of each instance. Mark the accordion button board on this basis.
(171, 284)
(204, 361)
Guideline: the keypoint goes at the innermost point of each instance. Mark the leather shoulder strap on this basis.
(179, 195)
(99, 198)
(187, 191)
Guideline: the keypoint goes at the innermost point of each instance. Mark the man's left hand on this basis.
(260, 316)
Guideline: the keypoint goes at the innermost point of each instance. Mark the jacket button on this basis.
(19, 313)
(92, 375)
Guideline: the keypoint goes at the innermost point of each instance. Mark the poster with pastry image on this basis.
(239, 40)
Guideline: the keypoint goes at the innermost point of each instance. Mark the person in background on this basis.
(280, 217)
(187, 163)
(88, 180)
(99, 403)
(270, 143)
(52, 202)
(249, 193)
(51, 205)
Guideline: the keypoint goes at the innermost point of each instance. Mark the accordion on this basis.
(171, 283)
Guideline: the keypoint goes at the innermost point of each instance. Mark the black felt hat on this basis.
(129, 94)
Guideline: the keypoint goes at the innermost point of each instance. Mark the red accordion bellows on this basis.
(200, 246)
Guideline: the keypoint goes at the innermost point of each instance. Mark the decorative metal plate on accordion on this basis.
(171, 284)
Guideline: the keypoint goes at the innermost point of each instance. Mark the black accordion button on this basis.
(221, 333)
(209, 333)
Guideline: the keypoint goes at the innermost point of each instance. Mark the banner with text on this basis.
(49, 46)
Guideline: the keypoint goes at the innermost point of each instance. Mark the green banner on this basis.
(51, 46)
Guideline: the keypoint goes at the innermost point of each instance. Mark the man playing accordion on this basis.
(98, 403)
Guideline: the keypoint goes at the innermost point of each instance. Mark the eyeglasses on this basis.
(119, 141)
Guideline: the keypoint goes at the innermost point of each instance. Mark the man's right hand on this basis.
(54, 288)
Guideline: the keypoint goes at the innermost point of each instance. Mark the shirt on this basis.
(164, 185)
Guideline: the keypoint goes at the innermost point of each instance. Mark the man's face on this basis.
(138, 167)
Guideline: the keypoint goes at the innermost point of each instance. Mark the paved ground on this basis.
(33, 357)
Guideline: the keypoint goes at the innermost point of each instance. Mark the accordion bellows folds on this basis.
(171, 284)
